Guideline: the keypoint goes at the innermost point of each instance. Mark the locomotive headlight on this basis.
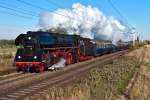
(35, 57)
(29, 38)
(19, 57)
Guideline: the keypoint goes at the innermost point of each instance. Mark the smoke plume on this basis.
(86, 21)
(59, 64)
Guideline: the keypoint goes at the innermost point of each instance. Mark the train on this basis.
(39, 51)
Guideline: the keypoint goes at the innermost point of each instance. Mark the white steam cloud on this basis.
(86, 21)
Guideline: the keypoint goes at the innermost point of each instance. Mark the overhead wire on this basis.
(17, 15)
(57, 5)
(18, 11)
(18, 7)
(130, 26)
(119, 13)
(42, 8)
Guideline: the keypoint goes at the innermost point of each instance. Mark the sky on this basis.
(136, 13)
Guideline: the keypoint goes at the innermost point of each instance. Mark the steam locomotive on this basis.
(39, 51)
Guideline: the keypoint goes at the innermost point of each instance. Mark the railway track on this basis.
(24, 86)
(7, 72)
(13, 77)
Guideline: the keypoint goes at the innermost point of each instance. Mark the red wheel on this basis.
(69, 58)
(41, 69)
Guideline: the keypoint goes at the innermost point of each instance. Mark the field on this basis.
(7, 53)
(6, 58)
(141, 88)
(108, 82)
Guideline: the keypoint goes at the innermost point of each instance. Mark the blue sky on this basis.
(137, 12)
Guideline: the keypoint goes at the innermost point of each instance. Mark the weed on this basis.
(103, 82)
(147, 64)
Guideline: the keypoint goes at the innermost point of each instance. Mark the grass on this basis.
(6, 58)
(105, 82)
(7, 43)
(147, 64)
(7, 46)
(123, 82)
(138, 45)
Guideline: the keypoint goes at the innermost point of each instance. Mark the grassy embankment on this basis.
(101, 83)
(141, 87)
(7, 53)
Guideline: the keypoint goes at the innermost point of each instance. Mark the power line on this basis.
(32, 5)
(8, 13)
(113, 6)
(21, 12)
(13, 6)
(57, 5)
(41, 8)
(119, 13)
(51, 2)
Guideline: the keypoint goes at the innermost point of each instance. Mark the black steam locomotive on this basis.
(40, 51)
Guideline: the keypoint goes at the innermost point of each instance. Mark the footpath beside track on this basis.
(19, 88)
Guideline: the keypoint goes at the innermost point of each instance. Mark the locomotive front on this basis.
(29, 57)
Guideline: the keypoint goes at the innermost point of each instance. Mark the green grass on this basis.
(123, 82)
(104, 82)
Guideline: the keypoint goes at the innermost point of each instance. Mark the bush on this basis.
(7, 43)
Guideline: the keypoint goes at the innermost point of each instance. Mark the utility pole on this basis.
(133, 33)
